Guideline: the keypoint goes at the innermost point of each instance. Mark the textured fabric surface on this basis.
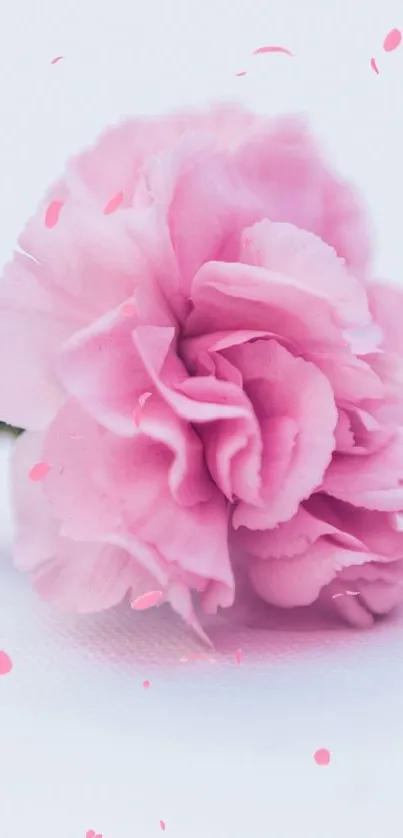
(211, 748)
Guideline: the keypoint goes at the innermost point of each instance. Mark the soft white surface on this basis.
(215, 750)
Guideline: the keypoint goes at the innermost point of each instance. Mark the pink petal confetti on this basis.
(147, 600)
(128, 309)
(38, 472)
(58, 58)
(242, 73)
(163, 825)
(143, 398)
(137, 410)
(52, 214)
(239, 656)
(374, 66)
(262, 50)
(114, 203)
(146, 684)
(346, 593)
(392, 40)
(92, 834)
(5, 663)
(322, 756)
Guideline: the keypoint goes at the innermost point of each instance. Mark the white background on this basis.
(215, 750)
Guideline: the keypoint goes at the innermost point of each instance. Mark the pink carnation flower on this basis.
(211, 374)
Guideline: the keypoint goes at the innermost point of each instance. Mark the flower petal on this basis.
(275, 172)
(36, 531)
(234, 296)
(294, 404)
(88, 577)
(386, 302)
(374, 481)
(350, 527)
(296, 581)
(101, 368)
(194, 537)
(196, 399)
(94, 473)
(310, 264)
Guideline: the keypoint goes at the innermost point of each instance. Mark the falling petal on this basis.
(322, 756)
(137, 410)
(374, 66)
(162, 825)
(38, 472)
(52, 214)
(147, 600)
(262, 50)
(114, 203)
(239, 656)
(55, 60)
(392, 40)
(242, 73)
(143, 398)
(146, 684)
(5, 663)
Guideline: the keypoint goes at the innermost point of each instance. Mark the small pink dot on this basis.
(322, 756)
(146, 684)
(238, 656)
(162, 825)
(38, 472)
(114, 203)
(52, 214)
(90, 834)
(242, 73)
(5, 663)
(392, 40)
